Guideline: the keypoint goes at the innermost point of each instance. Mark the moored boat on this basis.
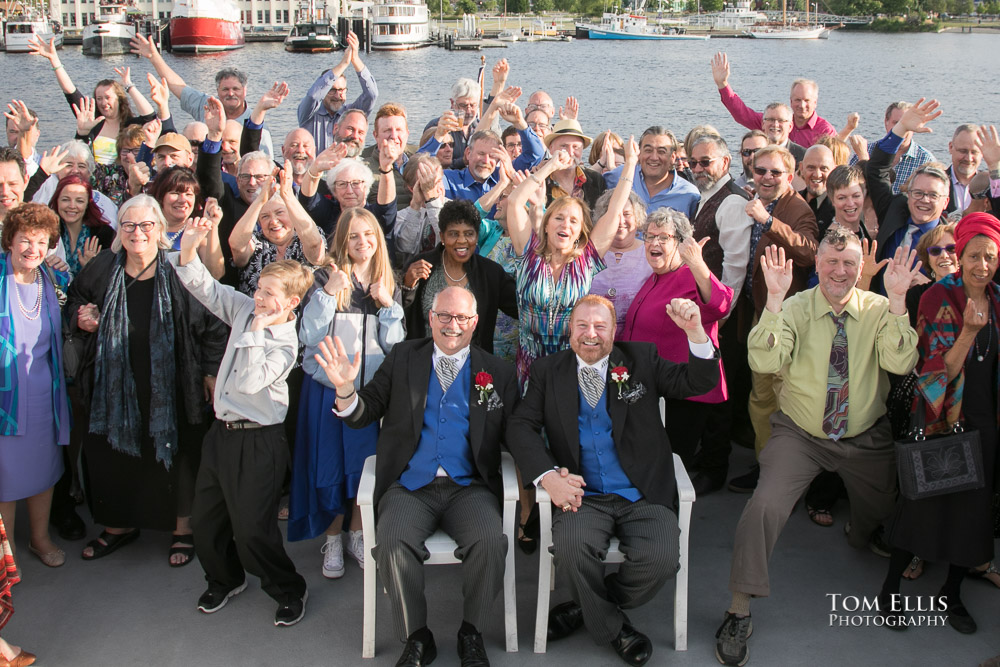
(399, 25)
(205, 26)
(111, 31)
(20, 28)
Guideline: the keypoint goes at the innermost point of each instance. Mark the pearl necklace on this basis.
(448, 275)
(36, 310)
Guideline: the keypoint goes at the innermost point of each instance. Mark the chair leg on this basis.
(509, 588)
(546, 580)
(681, 582)
(371, 597)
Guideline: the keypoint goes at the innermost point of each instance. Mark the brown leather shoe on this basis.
(22, 659)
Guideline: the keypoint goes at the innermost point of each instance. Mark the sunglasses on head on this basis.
(935, 250)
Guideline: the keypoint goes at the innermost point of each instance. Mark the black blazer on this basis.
(552, 401)
(493, 287)
(397, 395)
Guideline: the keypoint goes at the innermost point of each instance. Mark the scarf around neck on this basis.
(115, 409)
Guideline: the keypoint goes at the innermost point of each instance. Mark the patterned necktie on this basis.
(835, 414)
(592, 385)
(447, 371)
(757, 230)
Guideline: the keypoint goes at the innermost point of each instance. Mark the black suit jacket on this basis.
(494, 288)
(552, 401)
(397, 395)
(824, 212)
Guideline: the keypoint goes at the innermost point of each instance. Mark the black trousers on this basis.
(235, 513)
(689, 423)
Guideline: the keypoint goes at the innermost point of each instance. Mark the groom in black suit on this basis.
(608, 465)
(444, 406)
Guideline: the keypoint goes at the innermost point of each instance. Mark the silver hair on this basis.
(661, 217)
(349, 162)
(77, 150)
(721, 147)
(638, 208)
(252, 157)
(145, 202)
(475, 304)
(230, 73)
(465, 88)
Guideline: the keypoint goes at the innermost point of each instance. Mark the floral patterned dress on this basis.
(506, 334)
(544, 302)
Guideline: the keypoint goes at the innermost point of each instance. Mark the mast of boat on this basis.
(784, 13)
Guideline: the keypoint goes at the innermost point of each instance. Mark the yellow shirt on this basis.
(797, 342)
(105, 150)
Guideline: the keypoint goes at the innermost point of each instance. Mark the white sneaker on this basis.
(333, 557)
(356, 546)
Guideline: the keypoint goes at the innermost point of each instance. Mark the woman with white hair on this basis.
(347, 184)
(148, 370)
(285, 232)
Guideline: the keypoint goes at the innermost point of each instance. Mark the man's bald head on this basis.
(816, 165)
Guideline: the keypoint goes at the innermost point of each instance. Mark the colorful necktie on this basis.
(835, 414)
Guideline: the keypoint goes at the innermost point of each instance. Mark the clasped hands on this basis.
(565, 489)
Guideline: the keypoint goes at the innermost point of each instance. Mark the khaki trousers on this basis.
(792, 458)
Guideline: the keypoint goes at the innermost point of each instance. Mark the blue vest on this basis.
(598, 455)
(444, 438)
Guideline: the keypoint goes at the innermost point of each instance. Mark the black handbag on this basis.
(939, 464)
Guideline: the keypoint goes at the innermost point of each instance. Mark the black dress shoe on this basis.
(417, 653)
(69, 525)
(704, 483)
(564, 620)
(471, 650)
(632, 646)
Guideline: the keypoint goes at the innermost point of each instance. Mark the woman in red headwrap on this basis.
(959, 328)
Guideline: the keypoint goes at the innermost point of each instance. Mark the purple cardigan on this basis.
(647, 319)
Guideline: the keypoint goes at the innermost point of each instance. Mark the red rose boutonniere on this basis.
(484, 385)
(619, 375)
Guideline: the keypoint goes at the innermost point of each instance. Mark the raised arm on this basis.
(159, 92)
(388, 153)
(210, 250)
(325, 161)
(241, 238)
(142, 105)
(313, 245)
(49, 52)
(604, 228)
(17, 113)
(853, 119)
(313, 100)
(740, 112)
(145, 48)
(518, 221)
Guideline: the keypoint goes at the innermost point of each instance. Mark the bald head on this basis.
(816, 165)
(541, 100)
(299, 150)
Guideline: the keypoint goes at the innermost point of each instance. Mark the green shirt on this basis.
(796, 342)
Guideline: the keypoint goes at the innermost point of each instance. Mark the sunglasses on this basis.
(747, 152)
(935, 250)
(775, 173)
(704, 162)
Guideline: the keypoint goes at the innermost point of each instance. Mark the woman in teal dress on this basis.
(555, 267)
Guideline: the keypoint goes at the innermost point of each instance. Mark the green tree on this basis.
(711, 5)
(960, 7)
(539, 6)
(896, 7)
(565, 5)
(466, 7)
(517, 6)
(935, 6)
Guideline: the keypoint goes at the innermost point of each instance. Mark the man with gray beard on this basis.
(709, 162)
(351, 130)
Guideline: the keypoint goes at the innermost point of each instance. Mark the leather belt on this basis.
(242, 425)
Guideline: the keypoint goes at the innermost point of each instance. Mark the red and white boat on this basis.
(205, 26)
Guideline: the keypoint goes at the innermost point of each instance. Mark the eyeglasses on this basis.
(129, 227)
(343, 185)
(777, 120)
(704, 162)
(653, 239)
(134, 152)
(246, 178)
(446, 318)
(339, 90)
(747, 152)
(935, 250)
(539, 126)
(932, 197)
(775, 173)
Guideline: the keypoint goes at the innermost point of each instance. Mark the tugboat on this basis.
(110, 33)
(313, 33)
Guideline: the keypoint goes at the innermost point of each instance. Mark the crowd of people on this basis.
(199, 319)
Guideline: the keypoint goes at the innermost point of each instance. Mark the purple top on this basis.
(621, 280)
(647, 319)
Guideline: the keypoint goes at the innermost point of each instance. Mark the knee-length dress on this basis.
(956, 527)
(544, 302)
(31, 461)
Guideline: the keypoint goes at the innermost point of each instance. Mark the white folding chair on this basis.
(546, 566)
(442, 551)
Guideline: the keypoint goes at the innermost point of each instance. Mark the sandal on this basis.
(819, 517)
(991, 568)
(107, 543)
(914, 569)
(186, 549)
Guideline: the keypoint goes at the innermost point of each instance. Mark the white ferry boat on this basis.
(399, 25)
(22, 27)
(110, 33)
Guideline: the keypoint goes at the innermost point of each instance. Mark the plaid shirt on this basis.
(908, 163)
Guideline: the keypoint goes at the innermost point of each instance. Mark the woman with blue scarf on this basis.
(34, 412)
(148, 371)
